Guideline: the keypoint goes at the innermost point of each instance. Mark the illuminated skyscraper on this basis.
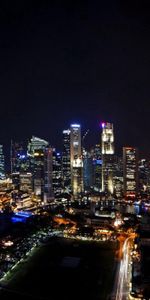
(66, 166)
(2, 163)
(20, 166)
(118, 177)
(20, 162)
(87, 170)
(40, 158)
(144, 176)
(130, 171)
(48, 187)
(76, 159)
(36, 143)
(107, 143)
(57, 172)
(97, 167)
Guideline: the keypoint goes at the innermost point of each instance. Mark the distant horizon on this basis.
(58, 145)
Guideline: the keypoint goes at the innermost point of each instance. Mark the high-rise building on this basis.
(87, 171)
(48, 188)
(66, 166)
(130, 171)
(97, 168)
(2, 163)
(39, 158)
(118, 177)
(20, 162)
(36, 143)
(144, 176)
(20, 165)
(107, 144)
(76, 159)
(57, 172)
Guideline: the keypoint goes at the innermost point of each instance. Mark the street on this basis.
(123, 273)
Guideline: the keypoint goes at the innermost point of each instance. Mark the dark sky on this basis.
(67, 61)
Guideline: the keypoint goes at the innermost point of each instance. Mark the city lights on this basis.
(84, 195)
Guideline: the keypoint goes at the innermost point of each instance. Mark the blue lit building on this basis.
(21, 216)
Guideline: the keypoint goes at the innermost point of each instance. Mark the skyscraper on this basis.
(2, 163)
(20, 166)
(130, 171)
(97, 167)
(57, 172)
(107, 144)
(87, 170)
(76, 159)
(36, 143)
(118, 177)
(37, 151)
(20, 162)
(144, 176)
(66, 166)
(48, 187)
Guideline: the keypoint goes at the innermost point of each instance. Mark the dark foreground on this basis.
(65, 269)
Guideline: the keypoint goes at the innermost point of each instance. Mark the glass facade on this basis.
(2, 163)
(130, 169)
(76, 159)
(107, 142)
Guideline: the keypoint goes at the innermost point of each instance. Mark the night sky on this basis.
(67, 61)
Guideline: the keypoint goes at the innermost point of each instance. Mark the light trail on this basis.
(123, 275)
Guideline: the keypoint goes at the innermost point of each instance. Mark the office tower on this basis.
(118, 177)
(97, 168)
(36, 152)
(48, 188)
(130, 171)
(57, 172)
(20, 162)
(66, 166)
(87, 170)
(76, 159)
(144, 176)
(2, 163)
(36, 143)
(25, 182)
(107, 143)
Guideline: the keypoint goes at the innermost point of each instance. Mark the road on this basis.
(123, 273)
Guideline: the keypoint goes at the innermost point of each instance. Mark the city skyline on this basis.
(88, 145)
(75, 149)
(81, 63)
